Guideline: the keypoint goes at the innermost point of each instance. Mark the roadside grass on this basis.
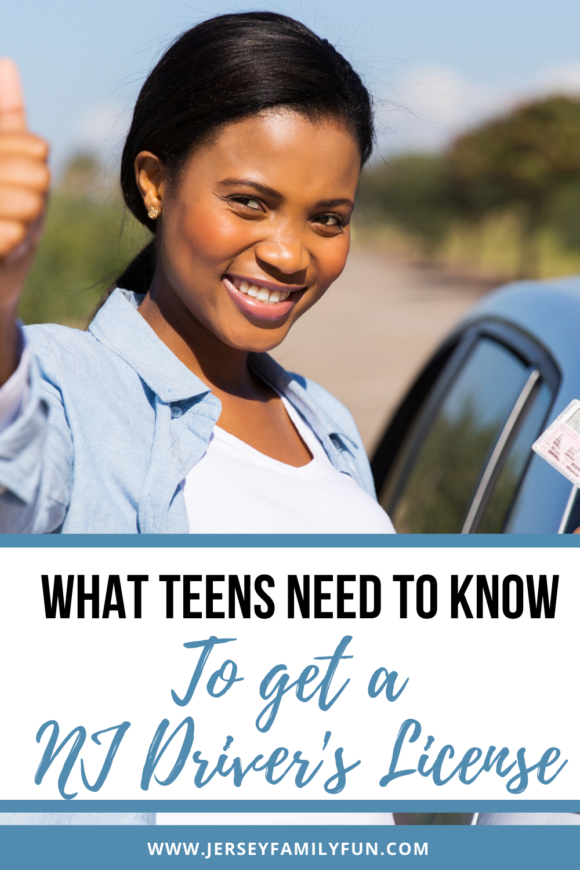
(490, 248)
(87, 243)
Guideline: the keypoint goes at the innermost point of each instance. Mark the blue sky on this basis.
(436, 66)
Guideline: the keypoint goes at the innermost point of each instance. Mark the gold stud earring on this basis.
(153, 213)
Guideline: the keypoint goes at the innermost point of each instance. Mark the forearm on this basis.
(9, 342)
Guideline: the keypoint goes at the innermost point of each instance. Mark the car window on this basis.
(519, 454)
(540, 502)
(437, 482)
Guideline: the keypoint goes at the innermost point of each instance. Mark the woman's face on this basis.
(256, 228)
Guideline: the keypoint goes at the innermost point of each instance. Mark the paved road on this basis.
(366, 339)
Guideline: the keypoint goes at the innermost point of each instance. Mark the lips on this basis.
(262, 299)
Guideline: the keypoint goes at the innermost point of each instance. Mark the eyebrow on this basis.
(246, 182)
(332, 203)
(269, 191)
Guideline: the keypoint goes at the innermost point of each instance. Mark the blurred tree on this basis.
(518, 161)
(83, 176)
(563, 214)
(88, 239)
(410, 191)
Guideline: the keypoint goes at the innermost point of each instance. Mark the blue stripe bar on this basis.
(438, 848)
(290, 541)
(291, 806)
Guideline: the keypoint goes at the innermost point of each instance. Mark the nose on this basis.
(285, 253)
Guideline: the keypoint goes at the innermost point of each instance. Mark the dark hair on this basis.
(225, 69)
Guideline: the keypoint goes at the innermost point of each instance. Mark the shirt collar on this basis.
(295, 389)
(121, 328)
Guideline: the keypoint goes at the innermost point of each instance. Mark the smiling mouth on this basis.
(260, 292)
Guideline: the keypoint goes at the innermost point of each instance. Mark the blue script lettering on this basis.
(228, 680)
(275, 767)
(52, 751)
(410, 732)
(282, 686)
(206, 647)
(155, 754)
(339, 778)
(120, 731)
(388, 684)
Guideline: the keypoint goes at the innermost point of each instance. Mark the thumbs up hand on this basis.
(24, 182)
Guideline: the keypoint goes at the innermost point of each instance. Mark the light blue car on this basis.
(456, 456)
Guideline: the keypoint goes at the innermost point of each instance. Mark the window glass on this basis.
(452, 456)
(509, 478)
(540, 502)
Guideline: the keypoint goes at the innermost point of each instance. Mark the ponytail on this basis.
(137, 276)
(139, 273)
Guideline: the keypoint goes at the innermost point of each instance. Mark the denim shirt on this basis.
(114, 422)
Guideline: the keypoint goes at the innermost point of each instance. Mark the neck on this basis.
(222, 367)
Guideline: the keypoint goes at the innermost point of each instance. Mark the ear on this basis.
(149, 174)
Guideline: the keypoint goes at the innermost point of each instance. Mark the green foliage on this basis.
(563, 214)
(411, 191)
(87, 242)
(525, 164)
(518, 159)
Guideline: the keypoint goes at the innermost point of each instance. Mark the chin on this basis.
(266, 341)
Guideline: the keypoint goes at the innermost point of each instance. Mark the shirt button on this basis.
(176, 411)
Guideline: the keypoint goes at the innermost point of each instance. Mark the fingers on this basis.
(12, 234)
(21, 216)
(23, 144)
(24, 179)
(12, 117)
(23, 172)
(18, 239)
(20, 204)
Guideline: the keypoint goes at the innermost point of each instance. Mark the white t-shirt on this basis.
(235, 489)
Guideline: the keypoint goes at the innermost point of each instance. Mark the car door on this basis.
(456, 453)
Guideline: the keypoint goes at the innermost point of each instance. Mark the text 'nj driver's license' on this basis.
(560, 443)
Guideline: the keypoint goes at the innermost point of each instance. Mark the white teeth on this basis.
(260, 293)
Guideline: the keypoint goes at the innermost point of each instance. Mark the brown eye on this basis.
(247, 201)
(330, 220)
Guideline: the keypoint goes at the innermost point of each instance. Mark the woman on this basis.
(243, 159)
